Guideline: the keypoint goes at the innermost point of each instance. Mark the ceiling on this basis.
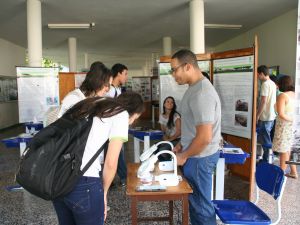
(129, 31)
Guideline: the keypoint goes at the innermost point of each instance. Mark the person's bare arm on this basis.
(110, 166)
(261, 107)
(201, 140)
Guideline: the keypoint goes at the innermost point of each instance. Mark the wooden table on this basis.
(179, 192)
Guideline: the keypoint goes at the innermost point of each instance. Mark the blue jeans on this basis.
(122, 169)
(198, 172)
(84, 205)
(264, 136)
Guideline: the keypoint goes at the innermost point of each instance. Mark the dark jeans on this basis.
(122, 168)
(84, 205)
(264, 137)
(198, 172)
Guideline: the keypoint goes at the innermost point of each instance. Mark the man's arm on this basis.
(202, 139)
(262, 104)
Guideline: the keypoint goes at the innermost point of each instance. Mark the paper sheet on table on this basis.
(233, 150)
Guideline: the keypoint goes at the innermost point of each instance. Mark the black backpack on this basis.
(50, 165)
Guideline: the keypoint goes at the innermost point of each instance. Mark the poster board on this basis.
(8, 89)
(142, 85)
(233, 81)
(243, 62)
(38, 91)
(247, 139)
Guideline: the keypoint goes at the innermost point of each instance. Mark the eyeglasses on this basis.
(173, 70)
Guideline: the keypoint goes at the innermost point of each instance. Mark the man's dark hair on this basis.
(118, 68)
(286, 83)
(95, 79)
(186, 56)
(263, 69)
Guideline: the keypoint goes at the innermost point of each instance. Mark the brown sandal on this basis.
(294, 176)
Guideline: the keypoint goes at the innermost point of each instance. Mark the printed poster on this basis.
(38, 90)
(233, 80)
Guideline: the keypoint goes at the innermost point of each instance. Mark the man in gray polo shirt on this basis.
(200, 134)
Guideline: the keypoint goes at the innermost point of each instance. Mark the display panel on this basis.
(233, 80)
(38, 90)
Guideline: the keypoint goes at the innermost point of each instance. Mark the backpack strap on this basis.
(91, 161)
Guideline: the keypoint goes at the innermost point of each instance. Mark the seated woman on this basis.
(170, 124)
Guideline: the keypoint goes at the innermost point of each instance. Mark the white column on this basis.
(167, 46)
(197, 41)
(72, 54)
(34, 33)
(86, 61)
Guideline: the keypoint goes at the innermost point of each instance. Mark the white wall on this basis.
(11, 55)
(135, 73)
(276, 42)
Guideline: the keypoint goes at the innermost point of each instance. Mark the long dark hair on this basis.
(97, 77)
(170, 123)
(103, 107)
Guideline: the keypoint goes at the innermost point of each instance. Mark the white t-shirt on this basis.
(115, 127)
(71, 99)
(163, 121)
(268, 89)
(113, 92)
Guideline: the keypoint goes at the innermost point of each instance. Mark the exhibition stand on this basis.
(233, 74)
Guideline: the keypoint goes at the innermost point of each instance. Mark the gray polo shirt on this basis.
(201, 105)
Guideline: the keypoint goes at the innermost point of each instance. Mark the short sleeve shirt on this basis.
(268, 89)
(115, 127)
(201, 105)
(113, 92)
(70, 100)
(163, 121)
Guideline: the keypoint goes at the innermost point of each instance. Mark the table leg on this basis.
(220, 172)
(185, 210)
(171, 212)
(136, 148)
(146, 142)
(134, 218)
(22, 147)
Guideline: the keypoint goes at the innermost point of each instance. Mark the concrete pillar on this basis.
(72, 54)
(86, 61)
(197, 40)
(167, 46)
(34, 33)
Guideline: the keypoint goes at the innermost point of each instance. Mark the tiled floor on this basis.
(20, 207)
